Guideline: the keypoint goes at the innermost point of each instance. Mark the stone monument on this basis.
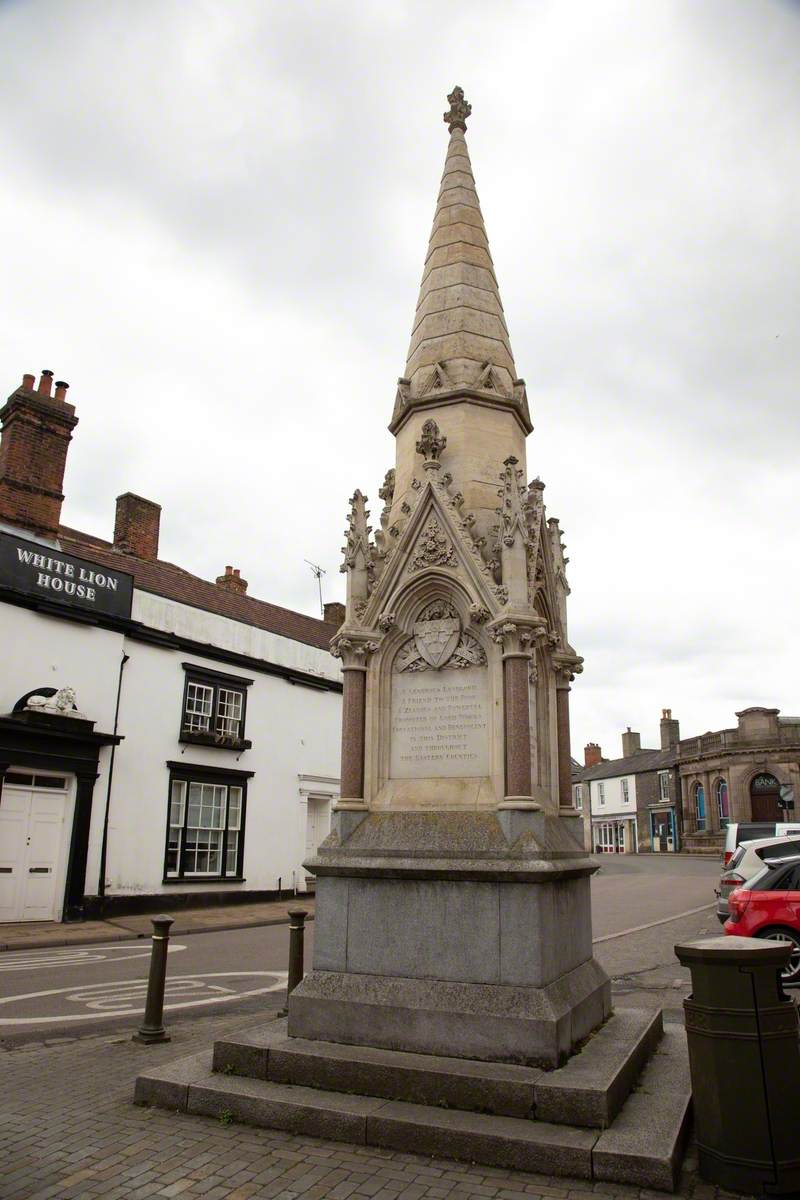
(453, 910)
(455, 1007)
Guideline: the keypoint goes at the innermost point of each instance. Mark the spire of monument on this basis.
(460, 339)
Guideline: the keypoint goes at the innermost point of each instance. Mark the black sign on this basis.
(37, 570)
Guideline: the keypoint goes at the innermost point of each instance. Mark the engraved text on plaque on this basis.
(440, 724)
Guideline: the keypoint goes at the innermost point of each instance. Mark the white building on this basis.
(632, 800)
(164, 740)
(613, 809)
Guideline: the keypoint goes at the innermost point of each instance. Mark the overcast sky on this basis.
(214, 217)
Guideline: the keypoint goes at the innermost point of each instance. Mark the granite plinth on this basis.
(460, 934)
(490, 1022)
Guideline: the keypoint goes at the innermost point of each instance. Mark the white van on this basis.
(748, 831)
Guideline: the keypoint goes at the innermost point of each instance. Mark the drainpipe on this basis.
(101, 882)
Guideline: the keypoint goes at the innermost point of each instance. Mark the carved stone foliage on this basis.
(357, 542)
(460, 109)
(431, 444)
(534, 508)
(353, 651)
(515, 639)
(438, 641)
(512, 494)
(386, 491)
(433, 548)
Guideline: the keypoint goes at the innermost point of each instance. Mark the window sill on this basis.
(213, 742)
(174, 880)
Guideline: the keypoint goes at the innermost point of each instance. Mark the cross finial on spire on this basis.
(460, 109)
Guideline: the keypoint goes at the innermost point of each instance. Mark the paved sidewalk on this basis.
(68, 1131)
(34, 935)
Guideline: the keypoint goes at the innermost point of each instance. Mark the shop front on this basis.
(614, 836)
(663, 830)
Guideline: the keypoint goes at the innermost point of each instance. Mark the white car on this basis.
(748, 859)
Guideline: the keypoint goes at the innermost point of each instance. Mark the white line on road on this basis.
(181, 983)
(33, 960)
(690, 912)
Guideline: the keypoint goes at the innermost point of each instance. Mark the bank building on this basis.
(164, 740)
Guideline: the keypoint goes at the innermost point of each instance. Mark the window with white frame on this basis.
(205, 834)
(623, 787)
(601, 792)
(577, 793)
(214, 707)
(663, 785)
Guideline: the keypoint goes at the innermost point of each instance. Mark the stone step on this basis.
(646, 1143)
(247, 1052)
(499, 1088)
(588, 1091)
(593, 1086)
(643, 1146)
(187, 1085)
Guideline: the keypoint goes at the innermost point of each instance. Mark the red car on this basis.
(768, 906)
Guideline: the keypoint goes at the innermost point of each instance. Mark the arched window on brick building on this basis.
(700, 807)
(723, 805)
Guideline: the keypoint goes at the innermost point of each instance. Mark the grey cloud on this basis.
(219, 218)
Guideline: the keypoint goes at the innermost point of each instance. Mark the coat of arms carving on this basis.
(439, 641)
(436, 633)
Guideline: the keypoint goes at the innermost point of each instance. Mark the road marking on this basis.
(129, 997)
(33, 960)
(690, 912)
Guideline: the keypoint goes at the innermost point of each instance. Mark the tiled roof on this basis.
(165, 579)
(634, 764)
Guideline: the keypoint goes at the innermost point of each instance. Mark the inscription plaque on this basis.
(440, 724)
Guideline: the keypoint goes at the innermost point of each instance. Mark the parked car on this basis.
(748, 859)
(746, 831)
(768, 906)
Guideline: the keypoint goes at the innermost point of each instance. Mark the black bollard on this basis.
(297, 930)
(152, 1028)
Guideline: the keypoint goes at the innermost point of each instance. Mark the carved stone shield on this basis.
(436, 640)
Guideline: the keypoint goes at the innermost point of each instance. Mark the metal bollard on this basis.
(297, 930)
(152, 1027)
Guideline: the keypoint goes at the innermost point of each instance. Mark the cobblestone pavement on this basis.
(68, 1130)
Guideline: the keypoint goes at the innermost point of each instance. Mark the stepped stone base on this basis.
(582, 1120)
(491, 1022)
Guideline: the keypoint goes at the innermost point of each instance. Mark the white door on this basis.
(318, 822)
(32, 837)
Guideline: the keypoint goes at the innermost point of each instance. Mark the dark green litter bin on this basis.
(744, 1052)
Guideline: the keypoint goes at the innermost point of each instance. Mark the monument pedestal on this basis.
(466, 935)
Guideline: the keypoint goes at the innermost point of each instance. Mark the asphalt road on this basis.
(72, 991)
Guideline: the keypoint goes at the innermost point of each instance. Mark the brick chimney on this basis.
(334, 613)
(631, 743)
(592, 754)
(36, 432)
(232, 581)
(670, 730)
(136, 526)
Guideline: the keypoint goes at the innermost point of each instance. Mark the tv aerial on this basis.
(318, 572)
